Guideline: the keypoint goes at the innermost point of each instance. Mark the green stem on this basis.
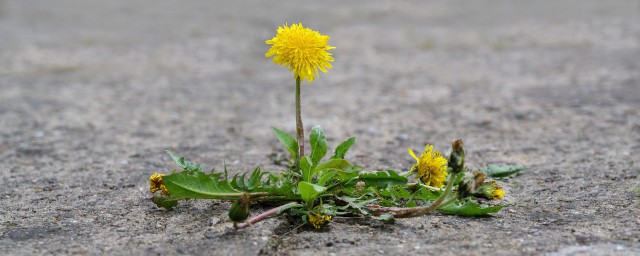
(299, 127)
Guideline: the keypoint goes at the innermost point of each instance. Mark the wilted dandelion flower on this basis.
(156, 183)
(431, 167)
(302, 50)
(490, 190)
(317, 220)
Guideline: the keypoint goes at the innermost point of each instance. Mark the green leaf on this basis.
(383, 179)
(187, 166)
(187, 185)
(357, 204)
(309, 191)
(307, 168)
(318, 144)
(503, 172)
(340, 164)
(164, 202)
(470, 209)
(288, 142)
(342, 149)
(386, 218)
(287, 207)
(328, 176)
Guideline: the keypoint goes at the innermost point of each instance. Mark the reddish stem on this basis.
(261, 216)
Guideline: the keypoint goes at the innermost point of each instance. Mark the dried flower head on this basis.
(490, 190)
(156, 183)
(317, 220)
(302, 50)
(431, 167)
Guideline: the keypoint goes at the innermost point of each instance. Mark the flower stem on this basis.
(260, 217)
(299, 126)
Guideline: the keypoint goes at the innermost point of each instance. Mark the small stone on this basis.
(210, 235)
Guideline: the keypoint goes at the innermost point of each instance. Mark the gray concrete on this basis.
(91, 92)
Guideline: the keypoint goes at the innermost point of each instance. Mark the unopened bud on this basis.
(240, 209)
(456, 158)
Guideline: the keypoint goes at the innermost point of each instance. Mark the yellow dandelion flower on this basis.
(317, 220)
(431, 167)
(498, 193)
(156, 183)
(302, 50)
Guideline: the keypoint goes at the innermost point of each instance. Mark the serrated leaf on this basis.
(309, 191)
(289, 143)
(355, 203)
(342, 149)
(383, 179)
(185, 165)
(163, 202)
(503, 172)
(187, 185)
(255, 178)
(318, 144)
(470, 209)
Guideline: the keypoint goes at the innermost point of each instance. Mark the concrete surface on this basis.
(92, 92)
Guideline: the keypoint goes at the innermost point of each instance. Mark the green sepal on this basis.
(288, 142)
(470, 209)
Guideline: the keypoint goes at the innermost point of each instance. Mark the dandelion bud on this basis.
(470, 184)
(456, 158)
(240, 209)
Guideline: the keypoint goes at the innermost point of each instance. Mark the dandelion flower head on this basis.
(317, 220)
(156, 183)
(302, 50)
(431, 167)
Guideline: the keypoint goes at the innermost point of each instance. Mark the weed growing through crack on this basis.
(321, 185)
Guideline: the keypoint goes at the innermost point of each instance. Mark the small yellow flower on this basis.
(317, 220)
(156, 183)
(431, 166)
(302, 50)
(496, 191)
